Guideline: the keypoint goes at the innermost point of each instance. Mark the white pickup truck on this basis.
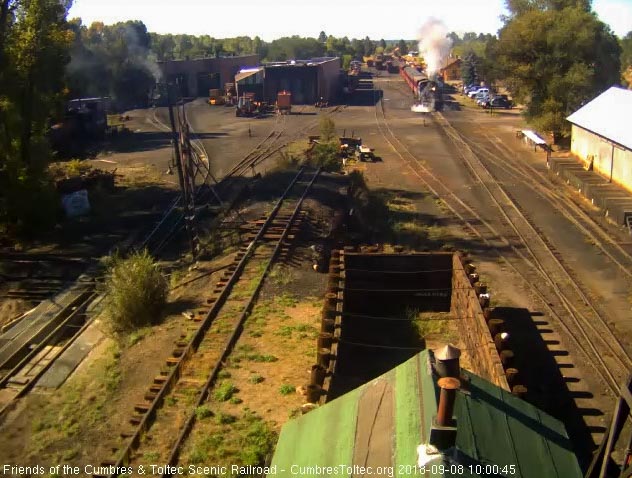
(473, 93)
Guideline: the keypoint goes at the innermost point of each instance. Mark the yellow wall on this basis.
(585, 144)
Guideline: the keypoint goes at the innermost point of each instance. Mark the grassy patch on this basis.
(286, 300)
(431, 325)
(256, 378)
(203, 412)
(77, 407)
(137, 335)
(225, 391)
(240, 440)
(287, 389)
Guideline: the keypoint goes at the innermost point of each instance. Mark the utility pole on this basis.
(183, 164)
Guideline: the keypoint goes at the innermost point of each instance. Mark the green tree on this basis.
(468, 68)
(403, 47)
(369, 46)
(626, 58)
(34, 43)
(327, 128)
(556, 59)
(322, 37)
(382, 44)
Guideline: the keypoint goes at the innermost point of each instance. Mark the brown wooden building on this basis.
(452, 71)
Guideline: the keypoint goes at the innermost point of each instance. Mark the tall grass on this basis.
(136, 292)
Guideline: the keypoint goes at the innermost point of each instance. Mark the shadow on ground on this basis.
(545, 381)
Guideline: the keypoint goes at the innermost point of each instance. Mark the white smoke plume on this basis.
(434, 47)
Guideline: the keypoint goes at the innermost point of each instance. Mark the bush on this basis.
(136, 292)
(326, 156)
(327, 128)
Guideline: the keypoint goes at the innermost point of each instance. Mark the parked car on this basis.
(498, 102)
(475, 92)
(481, 99)
(467, 88)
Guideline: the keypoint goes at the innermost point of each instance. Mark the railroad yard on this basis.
(233, 359)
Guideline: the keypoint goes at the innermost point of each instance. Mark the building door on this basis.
(206, 82)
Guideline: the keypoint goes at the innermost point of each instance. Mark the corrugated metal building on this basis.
(385, 425)
(602, 137)
(308, 80)
(250, 80)
(197, 77)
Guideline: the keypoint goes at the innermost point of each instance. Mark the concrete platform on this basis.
(614, 201)
(617, 209)
(70, 359)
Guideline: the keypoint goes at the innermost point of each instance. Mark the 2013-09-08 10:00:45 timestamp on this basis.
(482, 470)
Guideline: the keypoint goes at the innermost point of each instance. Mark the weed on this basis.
(257, 440)
(255, 333)
(261, 358)
(295, 413)
(176, 277)
(284, 331)
(171, 400)
(203, 412)
(225, 391)
(286, 300)
(136, 292)
(151, 456)
(245, 348)
(225, 418)
(223, 374)
(235, 400)
(256, 378)
(287, 389)
(137, 335)
(281, 276)
(70, 453)
(198, 456)
(430, 326)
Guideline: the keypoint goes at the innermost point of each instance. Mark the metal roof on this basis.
(245, 73)
(382, 423)
(606, 116)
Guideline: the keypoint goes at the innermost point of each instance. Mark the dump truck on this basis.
(284, 102)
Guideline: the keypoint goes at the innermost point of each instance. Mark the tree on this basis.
(468, 68)
(454, 37)
(322, 37)
(369, 47)
(382, 44)
(34, 44)
(556, 59)
(327, 128)
(403, 47)
(626, 58)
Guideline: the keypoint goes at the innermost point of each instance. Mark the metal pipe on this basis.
(447, 397)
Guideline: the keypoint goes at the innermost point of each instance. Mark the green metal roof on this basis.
(381, 424)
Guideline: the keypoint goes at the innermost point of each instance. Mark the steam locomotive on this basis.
(428, 91)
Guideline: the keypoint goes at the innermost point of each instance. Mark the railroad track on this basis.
(32, 349)
(192, 370)
(535, 180)
(544, 273)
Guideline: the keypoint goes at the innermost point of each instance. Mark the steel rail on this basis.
(232, 340)
(134, 439)
(429, 176)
